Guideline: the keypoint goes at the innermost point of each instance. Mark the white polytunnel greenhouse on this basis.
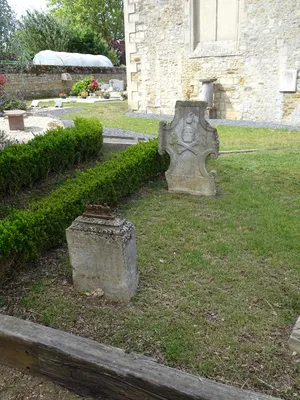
(49, 57)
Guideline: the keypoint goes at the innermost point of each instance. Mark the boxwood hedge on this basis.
(27, 232)
(26, 164)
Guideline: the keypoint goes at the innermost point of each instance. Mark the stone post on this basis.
(189, 140)
(207, 95)
(103, 255)
(15, 119)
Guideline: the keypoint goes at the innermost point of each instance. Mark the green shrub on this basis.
(82, 86)
(26, 164)
(25, 233)
(8, 102)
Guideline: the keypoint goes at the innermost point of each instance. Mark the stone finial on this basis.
(98, 211)
(189, 140)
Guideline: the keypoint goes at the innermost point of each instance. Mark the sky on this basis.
(19, 6)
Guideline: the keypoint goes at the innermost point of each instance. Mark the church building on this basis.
(248, 49)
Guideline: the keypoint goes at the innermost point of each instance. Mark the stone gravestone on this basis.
(34, 103)
(103, 254)
(117, 85)
(59, 103)
(189, 140)
(105, 86)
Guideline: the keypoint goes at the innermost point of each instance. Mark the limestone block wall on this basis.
(163, 67)
(44, 82)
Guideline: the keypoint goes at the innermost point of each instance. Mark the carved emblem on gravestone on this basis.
(189, 140)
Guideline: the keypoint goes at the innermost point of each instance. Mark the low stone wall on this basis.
(45, 81)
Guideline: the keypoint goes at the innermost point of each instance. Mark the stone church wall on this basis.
(162, 66)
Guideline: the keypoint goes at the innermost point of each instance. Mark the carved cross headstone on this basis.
(117, 85)
(189, 140)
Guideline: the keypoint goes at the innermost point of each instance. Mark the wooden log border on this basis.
(92, 369)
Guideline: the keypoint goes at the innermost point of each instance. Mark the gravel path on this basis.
(227, 122)
(34, 125)
(166, 117)
(56, 112)
(59, 112)
(127, 133)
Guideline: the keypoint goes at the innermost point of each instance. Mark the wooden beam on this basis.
(294, 341)
(92, 369)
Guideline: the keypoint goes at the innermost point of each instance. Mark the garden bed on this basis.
(34, 125)
(219, 279)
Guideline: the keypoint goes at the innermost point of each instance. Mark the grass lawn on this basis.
(231, 138)
(219, 278)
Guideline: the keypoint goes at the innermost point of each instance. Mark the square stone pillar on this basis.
(15, 119)
(103, 255)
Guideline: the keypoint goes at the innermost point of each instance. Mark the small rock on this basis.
(98, 293)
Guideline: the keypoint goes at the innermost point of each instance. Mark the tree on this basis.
(86, 41)
(42, 31)
(102, 16)
(7, 26)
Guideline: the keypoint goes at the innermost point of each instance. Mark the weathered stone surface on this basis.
(103, 255)
(288, 81)
(207, 93)
(165, 58)
(294, 341)
(189, 140)
(59, 103)
(34, 103)
(16, 119)
(117, 85)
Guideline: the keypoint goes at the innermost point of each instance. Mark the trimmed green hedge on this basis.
(26, 164)
(25, 233)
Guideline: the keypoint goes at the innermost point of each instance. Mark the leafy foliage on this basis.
(40, 30)
(5, 141)
(25, 233)
(119, 46)
(9, 102)
(82, 86)
(7, 26)
(26, 164)
(3, 82)
(101, 16)
(86, 41)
